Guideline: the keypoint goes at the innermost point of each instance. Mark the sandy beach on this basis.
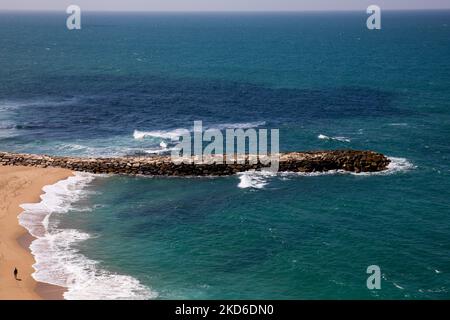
(20, 185)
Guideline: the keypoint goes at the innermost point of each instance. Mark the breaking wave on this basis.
(174, 134)
(260, 179)
(254, 179)
(341, 139)
(57, 260)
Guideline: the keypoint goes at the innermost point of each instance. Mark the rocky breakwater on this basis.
(317, 161)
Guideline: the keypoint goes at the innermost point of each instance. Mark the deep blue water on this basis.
(86, 92)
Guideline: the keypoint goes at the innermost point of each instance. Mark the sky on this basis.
(221, 5)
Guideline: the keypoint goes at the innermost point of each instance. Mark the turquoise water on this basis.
(295, 237)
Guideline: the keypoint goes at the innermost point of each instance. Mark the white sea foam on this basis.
(259, 179)
(159, 151)
(398, 165)
(103, 151)
(341, 139)
(254, 179)
(58, 262)
(398, 286)
(164, 148)
(163, 145)
(174, 134)
(164, 134)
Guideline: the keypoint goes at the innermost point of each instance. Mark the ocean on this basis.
(127, 82)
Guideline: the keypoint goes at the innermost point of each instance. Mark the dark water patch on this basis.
(117, 105)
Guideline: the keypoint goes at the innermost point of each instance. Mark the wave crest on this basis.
(253, 179)
(163, 134)
(341, 139)
(174, 134)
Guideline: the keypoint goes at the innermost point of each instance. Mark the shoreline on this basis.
(45, 291)
(20, 185)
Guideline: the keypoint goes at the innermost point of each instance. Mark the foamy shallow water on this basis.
(58, 262)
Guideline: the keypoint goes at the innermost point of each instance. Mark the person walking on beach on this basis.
(16, 272)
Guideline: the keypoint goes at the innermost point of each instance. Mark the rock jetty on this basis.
(315, 161)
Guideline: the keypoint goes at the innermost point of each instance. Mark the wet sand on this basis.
(20, 185)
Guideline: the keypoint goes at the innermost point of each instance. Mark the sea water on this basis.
(126, 84)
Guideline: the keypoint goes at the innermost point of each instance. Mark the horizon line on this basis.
(224, 11)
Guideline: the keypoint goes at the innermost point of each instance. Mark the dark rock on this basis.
(317, 161)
